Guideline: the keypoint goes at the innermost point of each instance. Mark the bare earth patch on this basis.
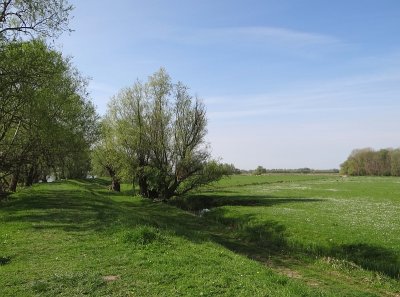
(111, 278)
(289, 272)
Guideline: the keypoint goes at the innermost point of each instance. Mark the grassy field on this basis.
(272, 235)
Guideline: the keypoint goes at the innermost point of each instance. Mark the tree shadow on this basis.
(95, 209)
(371, 257)
(91, 208)
(261, 240)
(200, 202)
(4, 195)
(5, 260)
(65, 209)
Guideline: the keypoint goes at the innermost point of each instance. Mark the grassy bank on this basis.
(76, 238)
(275, 235)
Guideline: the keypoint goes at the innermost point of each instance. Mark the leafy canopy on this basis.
(154, 133)
(33, 18)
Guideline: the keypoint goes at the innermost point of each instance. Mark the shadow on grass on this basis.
(87, 206)
(260, 240)
(199, 202)
(66, 211)
(5, 260)
(371, 257)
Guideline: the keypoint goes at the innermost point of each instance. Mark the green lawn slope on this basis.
(76, 238)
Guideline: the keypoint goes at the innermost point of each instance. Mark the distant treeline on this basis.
(385, 162)
(261, 170)
(303, 170)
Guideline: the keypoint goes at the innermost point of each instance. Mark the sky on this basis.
(286, 83)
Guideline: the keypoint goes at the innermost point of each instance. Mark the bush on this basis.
(259, 170)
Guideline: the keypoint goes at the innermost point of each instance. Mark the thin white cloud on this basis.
(352, 94)
(244, 35)
(274, 34)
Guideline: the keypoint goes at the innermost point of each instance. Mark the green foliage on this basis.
(154, 135)
(385, 162)
(259, 170)
(47, 123)
(230, 169)
(107, 159)
(33, 18)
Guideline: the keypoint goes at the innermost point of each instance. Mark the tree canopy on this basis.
(33, 18)
(153, 134)
(385, 162)
(47, 122)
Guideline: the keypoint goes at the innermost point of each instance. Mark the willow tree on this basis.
(159, 129)
(107, 159)
(33, 18)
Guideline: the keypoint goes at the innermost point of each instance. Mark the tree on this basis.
(259, 170)
(106, 159)
(158, 130)
(33, 18)
(47, 124)
(395, 162)
(370, 162)
(46, 121)
(230, 169)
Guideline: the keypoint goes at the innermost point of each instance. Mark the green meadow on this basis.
(269, 235)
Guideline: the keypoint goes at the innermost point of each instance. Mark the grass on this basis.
(272, 235)
(329, 229)
(76, 238)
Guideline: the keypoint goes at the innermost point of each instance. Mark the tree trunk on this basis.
(29, 177)
(62, 171)
(143, 188)
(14, 182)
(115, 185)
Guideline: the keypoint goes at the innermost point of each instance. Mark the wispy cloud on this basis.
(270, 34)
(351, 94)
(245, 35)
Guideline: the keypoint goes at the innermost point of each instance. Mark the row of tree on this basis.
(47, 122)
(384, 162)
(261, 170)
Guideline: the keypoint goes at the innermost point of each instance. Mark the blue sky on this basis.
(287, 84)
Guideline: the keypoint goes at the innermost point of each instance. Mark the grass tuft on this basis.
(40, 286)
(142, 235)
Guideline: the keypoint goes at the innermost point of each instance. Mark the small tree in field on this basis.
(260, 170)
(157, 130)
